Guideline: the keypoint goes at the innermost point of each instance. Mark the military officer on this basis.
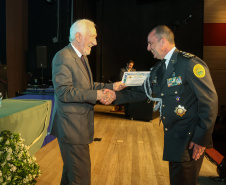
(187, 101)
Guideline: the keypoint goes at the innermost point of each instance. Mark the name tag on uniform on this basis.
(174, 81)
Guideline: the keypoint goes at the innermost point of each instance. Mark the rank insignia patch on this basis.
(188, 55)
(180, 111)
(199, 71)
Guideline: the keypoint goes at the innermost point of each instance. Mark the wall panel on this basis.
(214, 11)
(214, 44)
(220, 85)
(215, 57)
(16, 45)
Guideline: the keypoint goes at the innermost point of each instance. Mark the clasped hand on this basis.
(106, 96)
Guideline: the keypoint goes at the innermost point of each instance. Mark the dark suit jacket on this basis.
(122, 70)
(75, 97)
(197, 95)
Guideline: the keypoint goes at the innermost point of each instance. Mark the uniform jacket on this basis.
(189, 108)
(75, 96)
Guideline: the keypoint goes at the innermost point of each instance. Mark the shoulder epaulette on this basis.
(187, 55)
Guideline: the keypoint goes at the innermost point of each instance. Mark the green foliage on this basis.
(16, 165)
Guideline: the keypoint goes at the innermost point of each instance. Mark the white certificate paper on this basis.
(135, 78)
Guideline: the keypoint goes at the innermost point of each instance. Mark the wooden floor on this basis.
(130, 153)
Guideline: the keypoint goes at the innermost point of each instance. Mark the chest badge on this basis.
(180, 110)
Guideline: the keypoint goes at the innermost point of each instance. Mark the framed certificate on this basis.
(135, 78)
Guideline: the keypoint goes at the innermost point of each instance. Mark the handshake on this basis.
(107, 96)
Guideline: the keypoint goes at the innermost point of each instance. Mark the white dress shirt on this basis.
(168, 56)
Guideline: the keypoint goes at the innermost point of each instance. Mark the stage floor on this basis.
(129, 153)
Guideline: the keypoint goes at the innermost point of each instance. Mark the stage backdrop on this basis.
(123, 27)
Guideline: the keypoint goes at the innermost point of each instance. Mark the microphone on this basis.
(185, 20)
(178, 23)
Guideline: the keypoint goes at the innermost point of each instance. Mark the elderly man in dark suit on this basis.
(75, 97)
(183, 89)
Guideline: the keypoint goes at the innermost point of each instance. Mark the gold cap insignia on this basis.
(199, 71)
(180, 111)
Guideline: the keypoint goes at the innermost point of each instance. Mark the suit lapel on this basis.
(170, 68)
(80, 64)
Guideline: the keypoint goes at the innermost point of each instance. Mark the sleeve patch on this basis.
(199, 71)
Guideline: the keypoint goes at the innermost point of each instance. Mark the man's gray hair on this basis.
(79, 26)
(164, 31)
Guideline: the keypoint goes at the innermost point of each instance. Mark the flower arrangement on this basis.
(16, 164)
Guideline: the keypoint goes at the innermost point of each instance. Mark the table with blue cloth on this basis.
(30, 118)
(39, 91)
(48, 138)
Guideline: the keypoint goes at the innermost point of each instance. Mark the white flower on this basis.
(3, 164)
(30, 177)
(8, 178)
(8, 157)
(10, 165)
(17, 153)
(30, 161)
(9, 150)
(13, 169)
(22, 140)
(6, 148)
(25, 180)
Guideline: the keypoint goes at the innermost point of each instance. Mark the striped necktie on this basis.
(84, 63)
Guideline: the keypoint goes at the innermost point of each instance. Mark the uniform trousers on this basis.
(77, 165)
(185, 173)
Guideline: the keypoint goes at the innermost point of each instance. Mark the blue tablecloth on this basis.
(38, 91)
(48, 138)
